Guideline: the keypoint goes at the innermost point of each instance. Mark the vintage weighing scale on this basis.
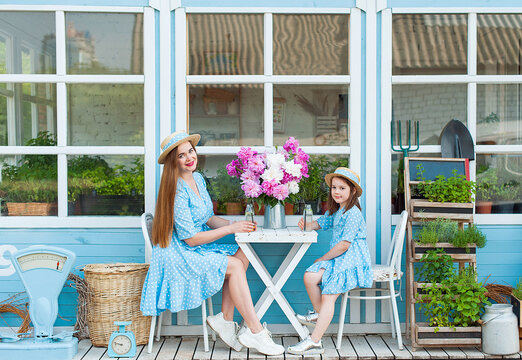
(43, 270)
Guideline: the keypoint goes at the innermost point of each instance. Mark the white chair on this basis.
(383, 273)
(146, 227)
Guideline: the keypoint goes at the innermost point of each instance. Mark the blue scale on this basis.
(43, 270)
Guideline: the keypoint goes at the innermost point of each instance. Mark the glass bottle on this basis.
(308, 216)
(249, 213)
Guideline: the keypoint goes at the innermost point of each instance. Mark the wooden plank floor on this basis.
(353, 347)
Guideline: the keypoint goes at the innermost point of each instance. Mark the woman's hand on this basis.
(301, 224)
(313, 226)
(242, 226)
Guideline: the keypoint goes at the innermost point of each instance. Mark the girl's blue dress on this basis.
(353, 268)
(180, 277)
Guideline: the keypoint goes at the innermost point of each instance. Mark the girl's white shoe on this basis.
(227, 330)
(308, 319)
(262, 341)
(306, 347)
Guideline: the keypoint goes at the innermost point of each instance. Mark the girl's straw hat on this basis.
(170, 142)
(347, 174)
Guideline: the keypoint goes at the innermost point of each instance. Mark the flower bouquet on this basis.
(270, 178)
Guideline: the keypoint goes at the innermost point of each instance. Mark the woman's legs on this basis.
(227, 306)
(312, 281)
(325, 316)
(239, 293)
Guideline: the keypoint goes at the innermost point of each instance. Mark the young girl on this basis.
(345, 266)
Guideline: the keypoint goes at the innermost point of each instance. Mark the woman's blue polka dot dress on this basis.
(180, 277)
(353, 268)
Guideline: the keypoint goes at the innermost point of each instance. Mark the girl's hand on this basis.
(242, 226)
(301, 224)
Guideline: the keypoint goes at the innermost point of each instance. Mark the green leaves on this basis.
(445, 230)
(455, 189)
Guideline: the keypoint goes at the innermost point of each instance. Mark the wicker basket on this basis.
(116, 294)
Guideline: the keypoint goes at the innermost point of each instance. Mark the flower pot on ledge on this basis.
(424, 209)
(32, 209)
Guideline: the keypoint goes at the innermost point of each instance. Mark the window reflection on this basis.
(104, 43)
(227, 115)
(27, 43)
(430, 44)
(499, 114)
(314, 114)
(432, 105)
(499, 44)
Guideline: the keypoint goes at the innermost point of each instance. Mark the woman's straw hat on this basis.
(347, 174)
(170, 142)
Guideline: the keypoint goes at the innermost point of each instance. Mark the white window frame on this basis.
(268, 80)
(62, 150)
(471, 79)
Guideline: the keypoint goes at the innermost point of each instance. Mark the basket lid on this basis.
(114, 268)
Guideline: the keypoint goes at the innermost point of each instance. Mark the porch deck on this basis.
(354, 347)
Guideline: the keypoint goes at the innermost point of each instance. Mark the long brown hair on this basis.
(332, 206)
(163, 224)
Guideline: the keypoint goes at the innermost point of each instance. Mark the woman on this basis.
(187, 266)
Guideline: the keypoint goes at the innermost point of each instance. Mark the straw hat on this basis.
(170, 142)
(347, 174)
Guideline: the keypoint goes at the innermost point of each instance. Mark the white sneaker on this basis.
(262, 341)
(306, 347)
(308, 319)
(227, 330)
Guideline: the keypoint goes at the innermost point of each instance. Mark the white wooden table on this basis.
(302, 241)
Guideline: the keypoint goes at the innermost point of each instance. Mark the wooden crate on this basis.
(424, 209)
(459, 336)
(459, 254)
(516, 309)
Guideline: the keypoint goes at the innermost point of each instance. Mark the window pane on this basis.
(397, 179)
(225, 44)
(311, 44)
(105, 114)
(499, 44)
(27, 111)
(227, 115)
(105, 185)
(313, 114)
(28, 185)
(104, 43)
(29, 39)
(432, 105)
(498, 180)
(499, 114)
(3, 55)
(426, 44)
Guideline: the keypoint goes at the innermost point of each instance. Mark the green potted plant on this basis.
(30, 197)
(452, 196)
(516, 300)
(312, 189)
(505, 198)
(486, 189)
(227, 190)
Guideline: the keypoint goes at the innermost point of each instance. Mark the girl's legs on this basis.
(312, 281)
(227, 306)
(239, 293)
(325, 316)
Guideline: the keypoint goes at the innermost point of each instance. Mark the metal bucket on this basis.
(500, 330)
(274, 217)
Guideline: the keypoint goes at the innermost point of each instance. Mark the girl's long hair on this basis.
(163, 224)
(332, 206)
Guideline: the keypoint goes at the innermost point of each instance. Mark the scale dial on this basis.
(121, 344)
(41, 260)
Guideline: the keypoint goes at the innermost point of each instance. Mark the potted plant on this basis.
(452, 196)
(30, 197)
(516, 300)
(227, 191)
(486, 189)
(505, 198)
(312, 189)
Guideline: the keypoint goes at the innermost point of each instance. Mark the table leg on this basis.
(275, 284)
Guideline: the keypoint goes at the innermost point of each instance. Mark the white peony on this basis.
(292, 168)
(293, 187)
(275, 160)
(273, 173)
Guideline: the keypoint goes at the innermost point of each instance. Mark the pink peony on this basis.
(257, 164)
(268, 187)
(245, 154)
(280, 192)
(249, 175)
(291, 145)
(301, 157)
(252, 189)
(304, 170)
(233, 167)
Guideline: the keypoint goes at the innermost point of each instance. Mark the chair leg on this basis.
(151, 333)
(158, 328)
(342, 314)
(392, 318)
(396, 316)
(204, 324)
(211, 312)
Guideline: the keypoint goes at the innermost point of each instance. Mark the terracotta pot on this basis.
(483, 207)
(324, 207)
(289, 209)
(234, 208)
(259, 210)
(32, 209)
(215, 206)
